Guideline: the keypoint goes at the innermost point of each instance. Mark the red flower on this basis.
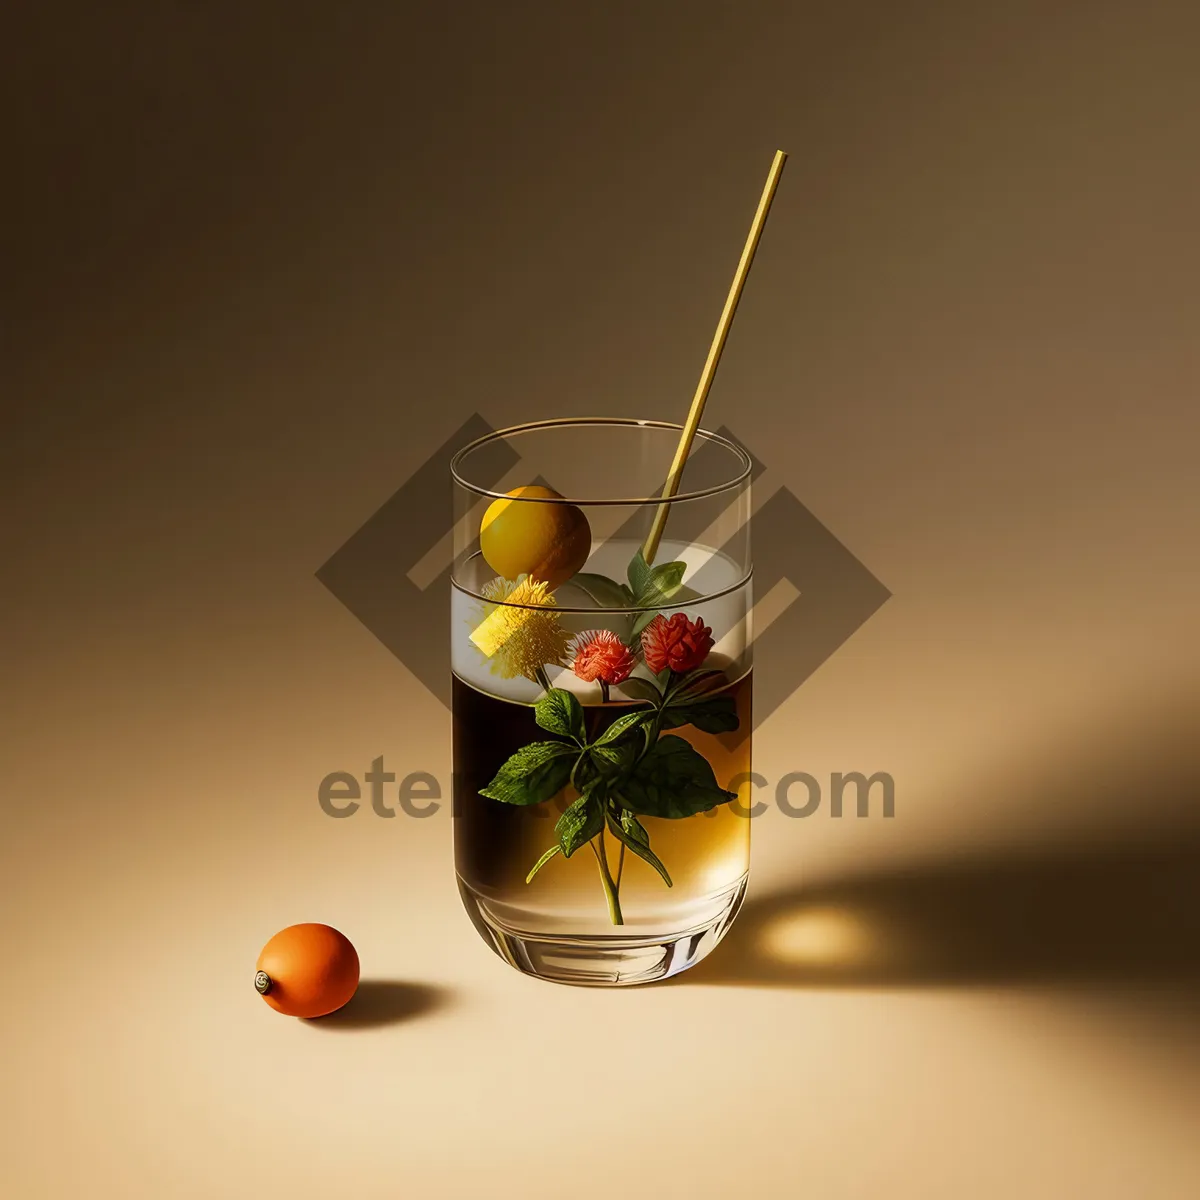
(678, 643)
(602, 655)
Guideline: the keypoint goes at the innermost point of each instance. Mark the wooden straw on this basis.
(650, 546)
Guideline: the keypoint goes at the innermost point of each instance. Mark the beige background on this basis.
(259, 262)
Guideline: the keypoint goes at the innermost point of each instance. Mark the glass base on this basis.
(608, 960)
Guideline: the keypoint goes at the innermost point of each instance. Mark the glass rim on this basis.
(707, 435)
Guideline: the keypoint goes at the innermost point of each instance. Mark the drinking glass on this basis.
(601, 663)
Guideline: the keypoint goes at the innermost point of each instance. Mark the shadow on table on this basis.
(1110, 903)
(1125, 916)
(384, 1002)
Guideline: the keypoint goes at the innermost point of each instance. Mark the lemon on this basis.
(523, 535)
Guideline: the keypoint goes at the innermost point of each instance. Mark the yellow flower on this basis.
(516, 632)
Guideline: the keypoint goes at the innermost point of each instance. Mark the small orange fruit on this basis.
(307, 971)
(525, 533)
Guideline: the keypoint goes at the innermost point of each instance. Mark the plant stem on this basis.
(613, 814)
(610, 888)
(652, 735)
(543, 678)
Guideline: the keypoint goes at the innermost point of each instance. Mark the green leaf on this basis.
(535, 773)
(581, 822)
(638, 573)
(614, 760)
(652, 586)
(641, 689)
(624, 723)
(631, 831)
(541, 862)
(607, 593)
(715, 715)
(672, 780)
(585, 773)
(698, 683)
(665, 580)
(559, 711)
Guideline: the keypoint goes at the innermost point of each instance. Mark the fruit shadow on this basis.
(380, 1002)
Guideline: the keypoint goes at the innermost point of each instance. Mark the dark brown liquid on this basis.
(496, 844)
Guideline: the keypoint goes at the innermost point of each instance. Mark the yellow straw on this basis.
(650, 546)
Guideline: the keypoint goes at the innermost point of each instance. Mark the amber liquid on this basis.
(496, 844)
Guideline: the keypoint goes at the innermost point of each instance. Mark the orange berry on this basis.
(307, 971)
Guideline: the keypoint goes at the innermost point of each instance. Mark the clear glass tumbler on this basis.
(602, 696)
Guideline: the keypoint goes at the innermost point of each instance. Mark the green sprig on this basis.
(631, 768)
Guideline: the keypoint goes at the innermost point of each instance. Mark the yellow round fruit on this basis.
(522, 536)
